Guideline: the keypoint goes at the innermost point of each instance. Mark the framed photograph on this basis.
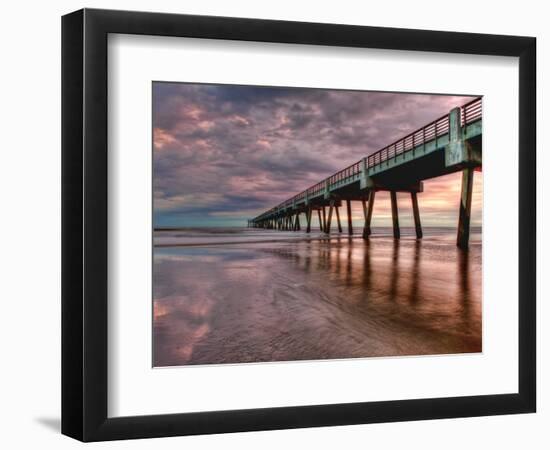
(273, 224)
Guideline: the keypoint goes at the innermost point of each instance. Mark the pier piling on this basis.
(367, 230)
(463, 235)
(350, 226)
(365, 214)
(338, 219)
(416, 214)
(395, 215)
(329, 220)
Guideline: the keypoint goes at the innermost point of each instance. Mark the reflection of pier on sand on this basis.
(316, 300)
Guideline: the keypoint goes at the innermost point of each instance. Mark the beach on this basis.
(241, 295)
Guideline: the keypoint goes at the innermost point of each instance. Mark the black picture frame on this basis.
(84, 224)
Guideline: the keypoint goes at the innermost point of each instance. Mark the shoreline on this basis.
(300, 239)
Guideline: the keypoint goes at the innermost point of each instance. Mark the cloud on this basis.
(220, 150)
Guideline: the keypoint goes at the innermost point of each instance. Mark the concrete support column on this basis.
(395, 215)
(320, 220)
(338, 219)
(329, 220)
(324, 219)
(350, 226)
(463, 235)
(308, 220)
(367, 229)
(298, 227)
(416, 214)
(365, 214)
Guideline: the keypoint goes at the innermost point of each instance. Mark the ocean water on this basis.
(240, 295)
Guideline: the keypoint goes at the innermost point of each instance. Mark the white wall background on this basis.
(30, 225)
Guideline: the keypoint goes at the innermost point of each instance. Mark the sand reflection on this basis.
(316, 300)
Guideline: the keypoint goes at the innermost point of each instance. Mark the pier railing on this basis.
(469, 113)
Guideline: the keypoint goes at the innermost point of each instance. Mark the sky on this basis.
(223, 154)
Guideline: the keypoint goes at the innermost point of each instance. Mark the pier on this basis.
(451, 143)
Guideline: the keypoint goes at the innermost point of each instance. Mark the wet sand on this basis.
(315, 299)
